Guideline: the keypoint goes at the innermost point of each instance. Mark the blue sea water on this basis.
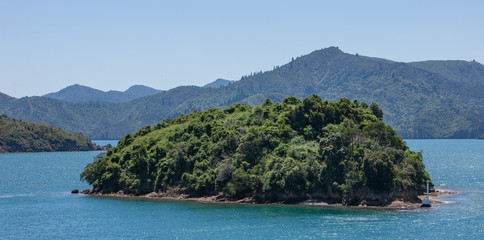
(36, 203)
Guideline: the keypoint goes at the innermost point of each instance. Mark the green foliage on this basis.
(21, 136)
(376, 110)
(273, 152)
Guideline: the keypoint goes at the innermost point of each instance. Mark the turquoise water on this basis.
(35, 203)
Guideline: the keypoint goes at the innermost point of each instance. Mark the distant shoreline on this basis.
(98, 149)
(217, 199)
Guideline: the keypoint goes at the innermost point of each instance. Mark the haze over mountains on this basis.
(430, 99)
(219, 83)
(78, 93)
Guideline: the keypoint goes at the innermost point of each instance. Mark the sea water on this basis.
(36, 203)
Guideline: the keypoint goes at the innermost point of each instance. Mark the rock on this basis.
(75, 190)
(86, 191)
(103, 148)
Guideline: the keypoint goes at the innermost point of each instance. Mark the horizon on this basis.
(115, 45)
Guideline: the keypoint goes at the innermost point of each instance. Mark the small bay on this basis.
(36, 203)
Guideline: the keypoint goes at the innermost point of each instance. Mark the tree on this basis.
(376, 110)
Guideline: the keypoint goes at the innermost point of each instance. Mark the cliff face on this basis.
(21, 136)
(338, 151)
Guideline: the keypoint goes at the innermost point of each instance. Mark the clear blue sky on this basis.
(111, 45)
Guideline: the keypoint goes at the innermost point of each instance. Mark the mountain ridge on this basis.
(220, 82)
(380, 87)
(418, 102)
(80, 93)
(471, 72)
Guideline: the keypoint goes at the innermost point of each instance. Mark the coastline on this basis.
(95, 148)
(219, 199)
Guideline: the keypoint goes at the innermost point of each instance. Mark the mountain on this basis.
(138, 91)
(79, 93)
(467, 72)
(296, 150)
(219, 83)
(5, 100)
(419, 101)
(102, 120)
(21, 136)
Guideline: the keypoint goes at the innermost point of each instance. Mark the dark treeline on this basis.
(21, 136)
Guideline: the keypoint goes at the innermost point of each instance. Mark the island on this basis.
(338, 152)
(21, 136)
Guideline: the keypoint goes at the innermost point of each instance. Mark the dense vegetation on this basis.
(432, 99)
(21, 136)
(338, 151)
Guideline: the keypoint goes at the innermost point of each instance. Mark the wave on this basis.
(17, 195)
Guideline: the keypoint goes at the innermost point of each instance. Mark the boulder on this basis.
(75, 190)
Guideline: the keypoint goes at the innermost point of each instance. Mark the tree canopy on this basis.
(22, 136)
(339, 151)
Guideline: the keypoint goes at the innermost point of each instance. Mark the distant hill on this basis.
(21, 136)
(102, 120)
(141, 91)
(418, 99)
(466, 72)
(219, 83)
(79, 93)
(418, 103)
(5, 100)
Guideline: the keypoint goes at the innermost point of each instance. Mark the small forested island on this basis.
(21, 136)
(313, 150)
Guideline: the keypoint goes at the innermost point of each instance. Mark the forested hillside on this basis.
(433, 99)
(295, 150)
(21, 136)
(418, 103)
(466, 72)
(102, 120)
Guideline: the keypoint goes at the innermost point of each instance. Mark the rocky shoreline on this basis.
(396, 204)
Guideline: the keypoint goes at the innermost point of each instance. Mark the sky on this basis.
(111, 45)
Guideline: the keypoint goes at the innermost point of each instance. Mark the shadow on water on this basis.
(296, 209)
